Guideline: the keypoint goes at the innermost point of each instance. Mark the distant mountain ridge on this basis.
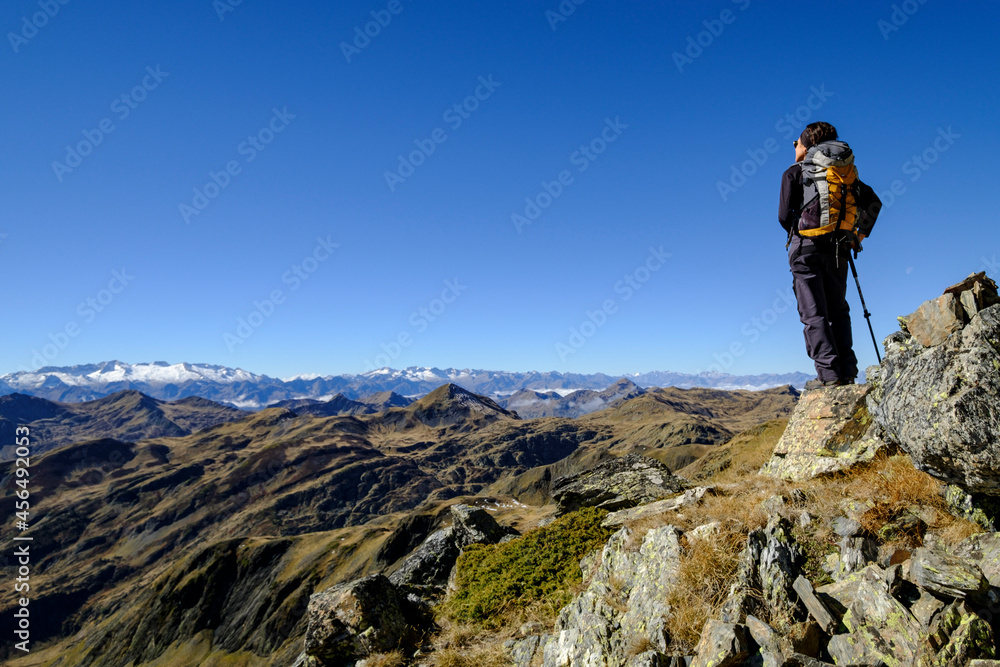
(242, 389)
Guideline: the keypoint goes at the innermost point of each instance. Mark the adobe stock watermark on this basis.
(561, 13)
(753, 328)
(31, 25)
(454, 116)
(372, 29)
(223, 7)
(419, 321)
(696, 44)
(627, 286)
(790, 126)
(900, 14)
(263, 309)
(87, 311)
(991, 266)
(249, 149)
(581, 158)
(919, 164)
(122, 108)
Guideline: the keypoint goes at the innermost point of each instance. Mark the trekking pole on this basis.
(865, 308)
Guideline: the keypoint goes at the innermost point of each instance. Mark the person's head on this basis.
(815, 133)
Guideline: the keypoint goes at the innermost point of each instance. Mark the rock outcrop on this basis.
(935, 393)
(616, 484)
(622, 606)
(431, 564)
(829, 431)
(359, 618)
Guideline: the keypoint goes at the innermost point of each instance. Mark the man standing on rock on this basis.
(827, 212)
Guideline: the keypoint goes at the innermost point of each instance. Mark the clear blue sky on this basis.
(206, 88)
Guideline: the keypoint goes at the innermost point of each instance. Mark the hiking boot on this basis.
(817, 384)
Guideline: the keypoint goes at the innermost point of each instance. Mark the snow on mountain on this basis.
(247, 390)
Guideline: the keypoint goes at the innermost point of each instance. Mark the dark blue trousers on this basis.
(820, 283)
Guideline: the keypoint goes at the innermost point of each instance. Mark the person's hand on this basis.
(861, 237)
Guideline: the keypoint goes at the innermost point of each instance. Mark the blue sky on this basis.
(242, 194)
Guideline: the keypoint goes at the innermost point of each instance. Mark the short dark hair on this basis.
(817, 133)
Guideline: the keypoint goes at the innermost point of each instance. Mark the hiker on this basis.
(826, 211)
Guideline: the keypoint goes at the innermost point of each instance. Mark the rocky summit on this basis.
(850, 525)
(937, 392)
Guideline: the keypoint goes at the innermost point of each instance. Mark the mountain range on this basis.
(245, 390)
(190, 547)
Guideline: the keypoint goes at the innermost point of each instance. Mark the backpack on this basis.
(831, 191)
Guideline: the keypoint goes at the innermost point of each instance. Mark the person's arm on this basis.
(790, 201)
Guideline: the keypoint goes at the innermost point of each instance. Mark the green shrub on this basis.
(541, 565)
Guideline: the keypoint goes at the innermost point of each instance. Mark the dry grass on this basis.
(391, 659)
(704, 573)
(893, 488)
(638, 646)
(462, 645)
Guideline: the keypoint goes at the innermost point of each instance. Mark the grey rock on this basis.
(704, 532)
(623, 604)
(799, 660)
(769, 565)
(616, 484)
(358, 618)
(939, 403)
(817, 609)
(649, 659)
(856, 553)
(722, 645)
(771, 650)
(945, 574)
(925, 608)
(983, 550)
(956, 637)
(841, 594)
(829, 431)
(522, 651)
(880, 629)
(432, 562)
(686, 499)
(846, 527)
(961, 505)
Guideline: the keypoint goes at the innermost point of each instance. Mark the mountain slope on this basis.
(126, 415)
(180, 548)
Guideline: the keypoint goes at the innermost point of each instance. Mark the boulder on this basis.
(936, 319)
(983, 550)
(880, 629)
(828, 432)
(615, 484)
(956, 637)
(358, 618)
(946, 575)
(939, 403)
(432, 562)
(722, 645)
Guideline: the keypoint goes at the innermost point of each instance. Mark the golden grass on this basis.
(704, 573)
(391, 659)
(464, 645)
(891, 485)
